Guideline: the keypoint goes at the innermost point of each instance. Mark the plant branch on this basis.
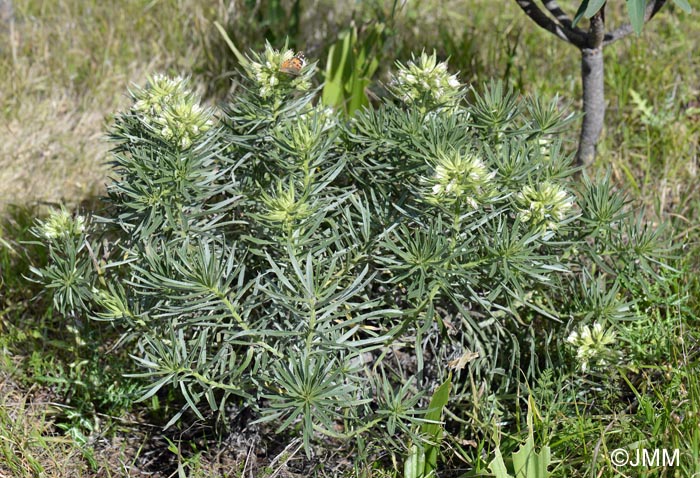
(573, 36)
(596, 32)
(653, 8)
(553, 7)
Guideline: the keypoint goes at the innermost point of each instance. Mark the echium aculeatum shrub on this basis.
(328, 272)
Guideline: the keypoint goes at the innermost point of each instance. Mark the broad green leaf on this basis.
(434, 414)
(415, 463)
(434, 430)
(530, 464)
(635, 9)
(337, 64)
(422, 460)
(498, 466)
(349, 70)
(526, 462)
(358, 99)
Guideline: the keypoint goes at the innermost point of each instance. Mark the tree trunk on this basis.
(591, 44)
(6, 14)
(593, 104)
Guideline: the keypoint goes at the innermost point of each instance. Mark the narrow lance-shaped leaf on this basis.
(587, 9)
(683, 5)
(636, 9)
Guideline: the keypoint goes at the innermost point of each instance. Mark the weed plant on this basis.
(327, 274)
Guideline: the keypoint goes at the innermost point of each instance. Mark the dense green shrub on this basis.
(328, 274)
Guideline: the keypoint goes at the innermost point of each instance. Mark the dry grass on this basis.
(31, 445)
(64, 68)
(28, 445)
(58, 158)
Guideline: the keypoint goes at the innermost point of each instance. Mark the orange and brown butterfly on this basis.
(293, 65)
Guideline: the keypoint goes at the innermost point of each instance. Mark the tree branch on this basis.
(653, 8)
(596, 31)
(560, 15)
(561, 31)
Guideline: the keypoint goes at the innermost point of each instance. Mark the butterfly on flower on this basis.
(293, 65)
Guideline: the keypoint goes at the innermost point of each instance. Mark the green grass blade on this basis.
(241, 58)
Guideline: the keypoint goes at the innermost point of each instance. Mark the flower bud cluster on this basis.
(426, 83)
(285, 205)
(458, 178)
(545, 204)
(592, 345)
(62, 224)
(326, 115)
(170, 109)
(267, 73)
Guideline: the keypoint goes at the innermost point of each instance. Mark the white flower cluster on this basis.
(326, 115)
(270, 79)
(158, 93)
(458, 177)
(464, 178)
(172, 111)
(61, 223)
(545, 204)
(592, 345)
(426, 83)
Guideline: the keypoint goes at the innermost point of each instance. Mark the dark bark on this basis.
(553, 7)
(572, 35)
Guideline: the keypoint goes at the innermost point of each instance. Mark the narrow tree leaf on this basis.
(587, 9)
(683, 5)
(593, 7)
(580, 12)
(635, 9)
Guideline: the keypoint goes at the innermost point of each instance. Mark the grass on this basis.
(64, 68)
(26, 445)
